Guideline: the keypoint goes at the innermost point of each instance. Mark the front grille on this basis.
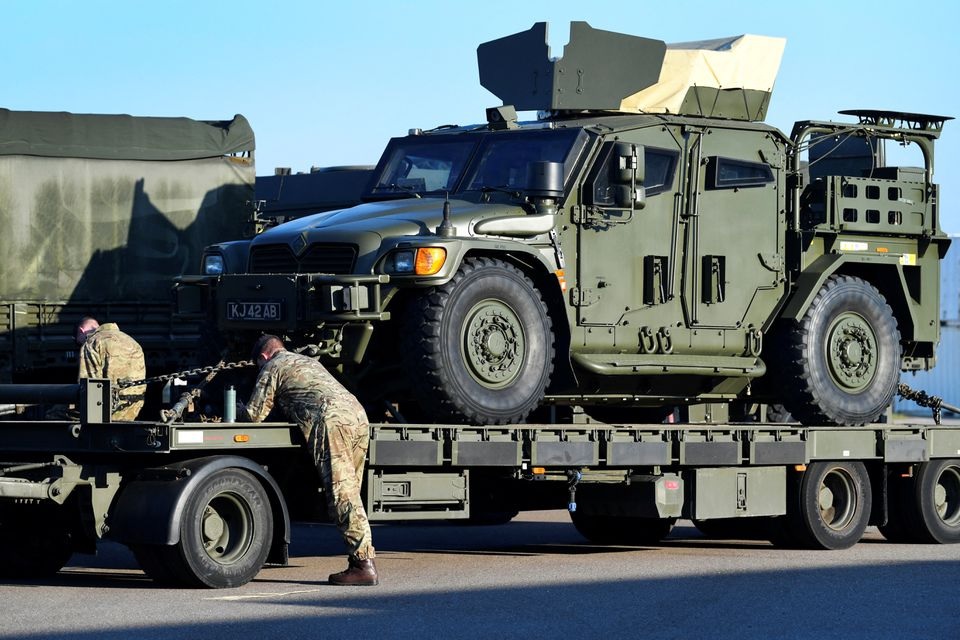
(318, 258)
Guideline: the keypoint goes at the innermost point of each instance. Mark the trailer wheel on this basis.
(934, 503)
(625, 530)
(843, 359)
(831, 507)
(32, 548)
(480, 347)
(225, 533)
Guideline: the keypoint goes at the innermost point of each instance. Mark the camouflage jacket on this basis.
(110, 353)
(301, 386)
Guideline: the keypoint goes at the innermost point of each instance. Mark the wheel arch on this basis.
(552, 288)
(149, 509)
(887, 277)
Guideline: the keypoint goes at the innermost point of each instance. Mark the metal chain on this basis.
(189, 373)
(923, 399)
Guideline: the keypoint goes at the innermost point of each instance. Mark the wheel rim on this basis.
(947, 496)
(493, 344)
(226, 528)
(852, 352)
(837, 500)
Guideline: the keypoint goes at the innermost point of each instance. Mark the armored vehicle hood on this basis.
(409, 217)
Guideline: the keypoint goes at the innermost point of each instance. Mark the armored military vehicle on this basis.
(647, 242)
(98, 213)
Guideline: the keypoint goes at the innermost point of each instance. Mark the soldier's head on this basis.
(86, 326)
(265, 348)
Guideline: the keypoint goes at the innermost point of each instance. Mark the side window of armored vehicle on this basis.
(729, 173)
(659, 168)
(505, 159)
(660, 165)
(422, 166)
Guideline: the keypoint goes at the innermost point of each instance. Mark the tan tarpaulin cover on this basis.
(739, 62)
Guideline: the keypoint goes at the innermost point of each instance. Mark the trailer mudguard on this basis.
(149, 508)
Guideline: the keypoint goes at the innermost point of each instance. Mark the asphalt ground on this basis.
(535, 577)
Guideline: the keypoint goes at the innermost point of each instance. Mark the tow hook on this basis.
(573, 479)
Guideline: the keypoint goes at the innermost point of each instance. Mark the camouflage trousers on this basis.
(339, 439)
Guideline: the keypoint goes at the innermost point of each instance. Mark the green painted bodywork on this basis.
(99, 213)
(675, 246)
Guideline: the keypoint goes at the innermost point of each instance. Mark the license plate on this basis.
(265, 310)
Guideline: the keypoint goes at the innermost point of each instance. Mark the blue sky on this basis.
(329, 83)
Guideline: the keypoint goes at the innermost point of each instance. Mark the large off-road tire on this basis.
(842, 360)
(226, 529)
(480, 348)
(829, 507)
(621, 530)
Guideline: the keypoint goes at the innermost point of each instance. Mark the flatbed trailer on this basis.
(209, 503)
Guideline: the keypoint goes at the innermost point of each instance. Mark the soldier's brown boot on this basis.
(360, 573)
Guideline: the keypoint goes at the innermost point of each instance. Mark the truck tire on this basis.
(830, 507)
(622, 530)
(480, 347)
(32, 548)
(225, 533)
(926, 508)
(842, 362)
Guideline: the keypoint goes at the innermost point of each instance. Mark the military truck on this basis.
(699, 250)
(99, 213)
(646, 243)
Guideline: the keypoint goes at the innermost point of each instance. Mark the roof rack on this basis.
(898, 119)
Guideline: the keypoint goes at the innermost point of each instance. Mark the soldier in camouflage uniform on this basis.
(107, 352)
(335, 426)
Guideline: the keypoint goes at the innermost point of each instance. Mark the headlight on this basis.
(400, 262)
(424, 261)
(213, 264)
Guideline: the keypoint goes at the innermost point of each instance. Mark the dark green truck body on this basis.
(100, 213)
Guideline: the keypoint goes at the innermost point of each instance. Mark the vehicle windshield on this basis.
(472, 161)
(504, 161)
(423, 166)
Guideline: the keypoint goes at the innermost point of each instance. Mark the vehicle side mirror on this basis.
(629, 191)
(627, 197)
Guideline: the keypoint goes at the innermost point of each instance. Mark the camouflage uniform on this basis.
(110, 353)
(335, 426)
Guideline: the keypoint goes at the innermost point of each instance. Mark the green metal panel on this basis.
(486, 447)
(521, 70)
(637, 448)
(778, 447)
(905, 445)
(840, 443)
(714, 446)
(944, 442)
(417, 495)
(552, 447)
(234, 436)
(728, 493)
(410, 447)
